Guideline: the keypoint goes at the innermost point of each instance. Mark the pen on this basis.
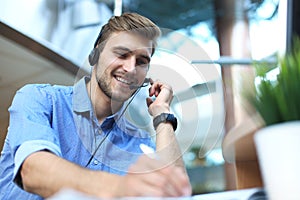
(149, 151)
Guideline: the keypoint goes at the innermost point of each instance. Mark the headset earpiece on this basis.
(94, 56)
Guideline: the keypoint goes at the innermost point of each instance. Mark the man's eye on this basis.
(142, 62)
(122, 55)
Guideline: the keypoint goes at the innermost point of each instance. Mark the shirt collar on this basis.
(117, 117)
(81, 100)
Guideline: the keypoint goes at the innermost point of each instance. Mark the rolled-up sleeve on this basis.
(30, 127)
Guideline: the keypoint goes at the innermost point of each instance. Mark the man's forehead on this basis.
(126, 49)
(130, 40)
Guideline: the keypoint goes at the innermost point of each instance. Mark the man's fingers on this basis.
(156, 175)
(180, 182)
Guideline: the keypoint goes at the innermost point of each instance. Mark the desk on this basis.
(246, 194)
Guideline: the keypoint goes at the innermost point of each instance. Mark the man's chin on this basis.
(121, 94)
(119, 98)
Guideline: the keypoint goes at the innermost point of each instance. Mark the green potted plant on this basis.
(278, 141)
(278, 100)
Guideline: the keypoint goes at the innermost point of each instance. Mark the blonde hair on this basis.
(132, 22)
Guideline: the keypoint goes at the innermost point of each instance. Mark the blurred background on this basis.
(205, 53)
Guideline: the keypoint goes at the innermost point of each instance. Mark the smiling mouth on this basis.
(124, 81)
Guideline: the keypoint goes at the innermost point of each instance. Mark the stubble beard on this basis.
(104, 85)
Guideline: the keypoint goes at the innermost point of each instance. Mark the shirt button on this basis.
(96, 162)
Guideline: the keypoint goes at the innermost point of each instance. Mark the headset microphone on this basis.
(145, 84)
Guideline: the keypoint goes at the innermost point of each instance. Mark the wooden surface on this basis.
(248, 174)
(238, 147)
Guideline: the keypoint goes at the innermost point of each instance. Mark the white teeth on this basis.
(122, 80)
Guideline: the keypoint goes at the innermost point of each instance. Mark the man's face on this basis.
(124, 61)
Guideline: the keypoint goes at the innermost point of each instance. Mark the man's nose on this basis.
(130, 64)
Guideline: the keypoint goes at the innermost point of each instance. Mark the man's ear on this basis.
(94, 56)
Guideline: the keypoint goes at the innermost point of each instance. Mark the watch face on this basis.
(170, 117)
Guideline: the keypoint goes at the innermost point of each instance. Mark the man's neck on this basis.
(103, 105)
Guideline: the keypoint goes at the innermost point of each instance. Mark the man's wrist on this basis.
(165, 118)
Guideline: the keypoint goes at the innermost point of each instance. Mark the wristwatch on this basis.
(165, 117)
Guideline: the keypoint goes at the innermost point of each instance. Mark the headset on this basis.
(145, 84)
(94, 56)
(93, 59)
(95, 53)
(137, 88)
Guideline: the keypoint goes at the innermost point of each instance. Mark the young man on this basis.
(77, 137)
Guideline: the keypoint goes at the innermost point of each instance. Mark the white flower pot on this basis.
(278, 151)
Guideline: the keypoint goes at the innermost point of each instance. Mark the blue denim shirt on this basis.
(60, 119)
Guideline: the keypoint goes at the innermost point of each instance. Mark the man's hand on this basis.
(163, 94)
(150, 177)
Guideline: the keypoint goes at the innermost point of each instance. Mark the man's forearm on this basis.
(45, 174)
(167, 145)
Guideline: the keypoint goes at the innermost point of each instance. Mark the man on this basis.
(77, 137)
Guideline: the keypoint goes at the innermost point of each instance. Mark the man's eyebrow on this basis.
(127, 50)
(122, 48)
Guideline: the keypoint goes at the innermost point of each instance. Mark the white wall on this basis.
(51, 23)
